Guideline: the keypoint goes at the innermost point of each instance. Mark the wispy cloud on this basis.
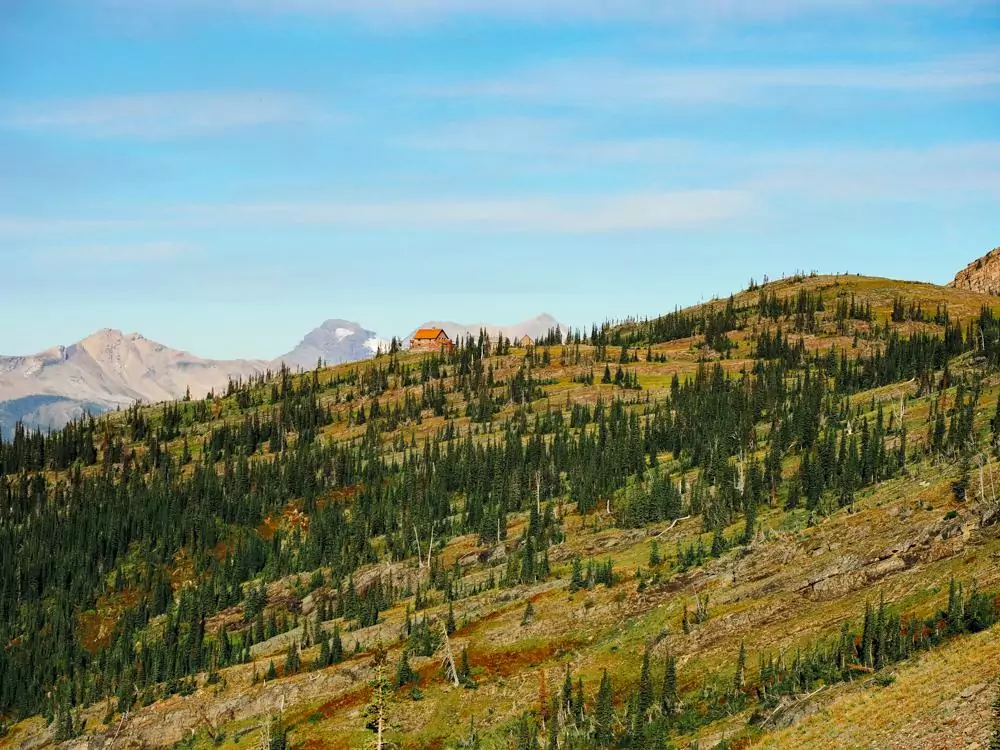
(141, 252)
(106, 254)
(604, 83)
(747, 186)
(160, 115)
(31, 227)
(427, 11)
(591, 214)
(563, 214)
(946, 172)
(551, 142)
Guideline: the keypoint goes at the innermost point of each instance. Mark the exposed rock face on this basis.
(334, 342)
(982, 275)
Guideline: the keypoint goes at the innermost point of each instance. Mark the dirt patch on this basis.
(507, 662)
(347, 700)
(94, 628)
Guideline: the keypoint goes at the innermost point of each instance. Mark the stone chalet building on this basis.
(430, 340)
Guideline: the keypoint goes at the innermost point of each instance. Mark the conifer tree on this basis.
(604, 713)
(553, 724)
(654, 554)
(336, 646)
(404, 672)
(645, 695)
(576, 578)
(567, 693)
(464, 670)
(960, 486)
(578, 705)
(529, 615)
(670, 699)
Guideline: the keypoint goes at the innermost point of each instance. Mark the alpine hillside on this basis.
(766, 521)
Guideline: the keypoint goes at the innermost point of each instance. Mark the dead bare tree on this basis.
(448, 657)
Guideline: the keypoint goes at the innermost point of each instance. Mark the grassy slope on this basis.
(764, 598)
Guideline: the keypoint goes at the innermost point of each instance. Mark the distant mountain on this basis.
(104, 371)
(111, 369)
(334, 342)
(982, 275)
(535, 328)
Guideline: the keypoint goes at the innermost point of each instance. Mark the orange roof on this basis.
(429, 333)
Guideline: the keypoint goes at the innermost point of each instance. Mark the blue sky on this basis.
(223, 175)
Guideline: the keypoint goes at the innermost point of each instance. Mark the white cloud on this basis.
(28, 227)
(747, 185)
(564, 214)
(162, 115)
(945, 172)
(607, 84)
(142, 252)
(110, 253)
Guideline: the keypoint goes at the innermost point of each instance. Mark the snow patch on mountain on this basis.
(334, 342)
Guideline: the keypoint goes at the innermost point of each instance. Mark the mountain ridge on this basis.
(106, 370)
(111, 369)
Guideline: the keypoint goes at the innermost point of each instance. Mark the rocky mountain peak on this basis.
(981, 275)
(335, 341)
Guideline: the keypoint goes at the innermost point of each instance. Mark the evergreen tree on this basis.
(464, 670)
(670, 697)
(654, 554)
(576, 577)
(604, 713)
(750, 527)
(960, 486)
(567, 693)
(739, 678)
(529, 615)
(578, 705)
(553, 725)
(645, 694)
(404, 672)
(278, 734)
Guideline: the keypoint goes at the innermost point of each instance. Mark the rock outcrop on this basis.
(981, 275)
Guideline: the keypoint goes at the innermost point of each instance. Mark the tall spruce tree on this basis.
(604, 713)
